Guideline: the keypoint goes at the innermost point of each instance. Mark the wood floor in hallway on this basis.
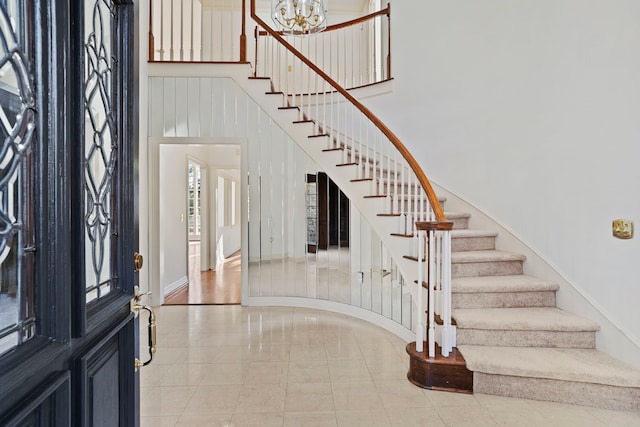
(220, 286)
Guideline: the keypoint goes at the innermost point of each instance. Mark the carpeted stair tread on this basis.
(517, 283)
(522, 319)
(457, 215)
(485, 256)
(577, 365)
(465, 232)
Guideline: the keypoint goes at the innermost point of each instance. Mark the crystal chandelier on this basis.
(299, 17)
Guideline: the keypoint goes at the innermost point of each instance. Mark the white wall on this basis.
(228, 232)
(530, 111)
(173, 218)
(277, 170)
(228, 240)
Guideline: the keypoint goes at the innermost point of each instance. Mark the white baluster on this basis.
(363, 155)
(331, 113)
(344, 142)
(360, 74)
(353, 57)
(420, 327)
(389, 185)
(287, 90)
(309, 86)
(396, 178)
(438, 277)
(416, 201)
(226, 17)
(357, 159)
(319, 95)
(181, 29)
(432, 319)
(211, 27)
(202, 33)
(324, 107)
(191, 28)
(448, 330)
(162, 30)
(171, 34)
(266, 43)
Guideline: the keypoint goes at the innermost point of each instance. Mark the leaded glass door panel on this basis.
(17, 134)
(68, 230)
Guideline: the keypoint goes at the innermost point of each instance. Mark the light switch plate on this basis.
(623, 228)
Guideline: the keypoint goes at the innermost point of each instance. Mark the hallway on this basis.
(270, 366)
(220, 286)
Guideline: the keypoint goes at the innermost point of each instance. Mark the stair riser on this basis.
(379, 179)
(460, 224)
(572, 392)
(490, 268)
(517, 338)
(383, 188)
(388, 205)
(461, 244)
(504, 300)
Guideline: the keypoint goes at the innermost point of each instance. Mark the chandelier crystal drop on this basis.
(299, 17)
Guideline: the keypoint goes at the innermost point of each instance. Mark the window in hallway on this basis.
(195, 200)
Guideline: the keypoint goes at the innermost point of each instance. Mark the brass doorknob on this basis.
(138, 261)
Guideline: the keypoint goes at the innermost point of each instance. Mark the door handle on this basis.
(135, 308)
(152, 335)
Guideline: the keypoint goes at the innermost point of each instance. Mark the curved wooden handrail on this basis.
(346, 24)
(413, 164)
(385, 11)
(434, 226)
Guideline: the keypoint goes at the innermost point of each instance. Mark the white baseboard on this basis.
(335, 307)
(172, 287)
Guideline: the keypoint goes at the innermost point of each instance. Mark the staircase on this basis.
(515, 340)
(512, 336)
(511, 339)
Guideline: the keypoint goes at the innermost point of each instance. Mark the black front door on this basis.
(68, 231)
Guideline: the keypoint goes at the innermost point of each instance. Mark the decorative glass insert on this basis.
(100, 148)
(17, 135)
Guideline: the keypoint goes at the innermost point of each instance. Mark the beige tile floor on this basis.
(238, 366)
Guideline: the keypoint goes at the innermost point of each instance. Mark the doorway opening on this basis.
(200, 206)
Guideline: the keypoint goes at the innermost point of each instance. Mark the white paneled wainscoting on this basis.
(304, 242)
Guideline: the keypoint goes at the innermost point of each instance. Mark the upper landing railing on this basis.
(197, 31)
(354, 53)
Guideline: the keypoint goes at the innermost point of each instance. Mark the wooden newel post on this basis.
(389, 40)
(151, 39)
(243, 36)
